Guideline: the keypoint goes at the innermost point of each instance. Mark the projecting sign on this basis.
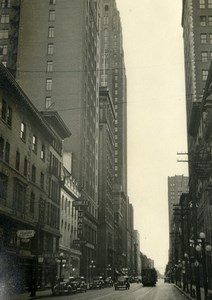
(25, 234)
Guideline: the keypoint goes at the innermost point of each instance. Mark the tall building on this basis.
(105, 257)
(53, 49)
(177, 185)
(197, 24)
(197, 34)
(113, 76)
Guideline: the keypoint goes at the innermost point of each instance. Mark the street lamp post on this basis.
(61, 263)
(91, 267)
(108, 270)
(202, 247)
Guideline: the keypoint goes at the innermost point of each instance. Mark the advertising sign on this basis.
(25, 234)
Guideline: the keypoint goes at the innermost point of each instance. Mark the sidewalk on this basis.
(192, 298)
(26, 296)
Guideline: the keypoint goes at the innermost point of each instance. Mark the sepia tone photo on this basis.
(105, 149)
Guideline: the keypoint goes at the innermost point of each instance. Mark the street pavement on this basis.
(162, 291)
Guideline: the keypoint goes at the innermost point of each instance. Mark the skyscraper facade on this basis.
(56, 52)
(197, 33)
(56, 61)
(113, 75)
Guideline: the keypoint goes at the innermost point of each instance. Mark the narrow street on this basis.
(162, 291)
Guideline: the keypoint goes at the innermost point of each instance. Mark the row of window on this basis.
(206, 38)
(4, 19)
(5, 3)
(68, 207)
(6, 113)
(205, 3)
(5, 155)
(204, 20)
(205, 56)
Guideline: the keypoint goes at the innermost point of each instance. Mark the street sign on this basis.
(25, 234)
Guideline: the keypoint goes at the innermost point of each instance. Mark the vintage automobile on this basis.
(122, 283)
(81, 284)
(97, 283)
(64, 286)
(108, 281)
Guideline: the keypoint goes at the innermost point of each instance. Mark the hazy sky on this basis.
(153, 47)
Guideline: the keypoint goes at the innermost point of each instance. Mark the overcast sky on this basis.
(153, 47)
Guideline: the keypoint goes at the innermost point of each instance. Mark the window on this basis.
(1, 148)
(203, 38)
(25, 166)
(50, 49)
(209, 3)
(17, 160)
(9, 116)
(48, 102)
(204, 74)
(201, 3)
(49, 67)
(3, 186)
(106, 7)
(32, 204)
(5, 19)
(4, 34)
(3, 49)
(5, 4)
(202, 20)
(34, 143)
(23, 131)
(51, 32)
(210, 38)
(48, 84)
(52, 1)
(19, 196)
(42, 153)
(52, 15)
(211, 55)
(7, 152)
(3, 110)
(42, 180)
(33, 174)
(204, 56)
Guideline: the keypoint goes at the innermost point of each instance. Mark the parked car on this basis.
(81, 284)
(97, 283)
(122, 283)
(109, 281)
(64, 286)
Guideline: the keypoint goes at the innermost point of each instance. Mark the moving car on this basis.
(122, 283)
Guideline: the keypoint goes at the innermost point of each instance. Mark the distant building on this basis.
(113, 76)
(69, 225)
(105, 254)
(136, 256)
(177, 185)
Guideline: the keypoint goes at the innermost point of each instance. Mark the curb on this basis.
(184, 293)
